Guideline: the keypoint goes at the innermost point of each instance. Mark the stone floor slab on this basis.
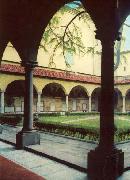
(39, 165)
(68, 149)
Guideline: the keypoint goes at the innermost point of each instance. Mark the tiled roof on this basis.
(44, 72)
(124, 81)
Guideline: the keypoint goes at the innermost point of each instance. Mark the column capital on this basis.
(66, 94)
(29, 64)
(108, 35)
(39, 93)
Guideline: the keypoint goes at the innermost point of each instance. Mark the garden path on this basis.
(69, 151)
(41, 166)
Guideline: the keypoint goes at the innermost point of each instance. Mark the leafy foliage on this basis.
(66, 38)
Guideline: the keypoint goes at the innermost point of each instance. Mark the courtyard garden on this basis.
(84, 126)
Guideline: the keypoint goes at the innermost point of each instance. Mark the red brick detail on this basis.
(11, 68)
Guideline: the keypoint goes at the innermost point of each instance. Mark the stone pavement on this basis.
(10, 170)
(66, 150)
(44, 167)
(71, 152)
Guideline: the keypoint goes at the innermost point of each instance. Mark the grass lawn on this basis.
(86, 121)
(63, 119)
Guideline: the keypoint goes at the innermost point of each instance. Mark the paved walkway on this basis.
(44, 167)
(62, 149)
(69, 150)
(10, 170)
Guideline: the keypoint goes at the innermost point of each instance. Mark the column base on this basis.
(1, 129)
(103, 166)
(27, 138)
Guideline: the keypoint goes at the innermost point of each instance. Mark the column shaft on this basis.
(124, 108)
(2, 102)
(39, 102)
(28, 100)
(107, 95)
(67, 103)
(90, 109)
(28, 136)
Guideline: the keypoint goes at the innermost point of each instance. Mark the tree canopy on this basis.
(68, 37)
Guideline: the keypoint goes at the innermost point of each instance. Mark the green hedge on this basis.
(77, 113)
(122, 114)
(54, 114)
(11, 119)
(69, 130)
(48, 114)
(81, 113)
(80, 132)
(122, 135)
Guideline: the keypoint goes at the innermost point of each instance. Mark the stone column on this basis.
(107, 95)
(28, 100)
(90, 104)
(39, 102)
(106, 161)
(123, 109)
(2, 107)
(28, 136)
(67, 103)
(2, 102)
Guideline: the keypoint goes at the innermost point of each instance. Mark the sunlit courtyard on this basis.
(65, 88)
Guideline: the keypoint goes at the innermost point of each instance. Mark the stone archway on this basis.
(26, 40)
(14, 97)
(96, 95)
(53, 97)
(118, 100)
(78, 99)
(127, 101)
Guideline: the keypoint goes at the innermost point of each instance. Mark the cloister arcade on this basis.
(118, 101)
(96, 99)
(127, 98)
(108, 18)
(56, 96)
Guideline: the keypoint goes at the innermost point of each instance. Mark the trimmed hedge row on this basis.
(122, 114)
(122, 135)
(69, 130)
(11, 119)
(54, 114)
(80, 132)
(77, 113)
(64, 129)
(66, 113)
(81, 113)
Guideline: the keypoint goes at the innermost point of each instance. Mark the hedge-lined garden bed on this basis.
(67, 113)
(84, 126)
(13, 120)
(69, 130)
(88, 134)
